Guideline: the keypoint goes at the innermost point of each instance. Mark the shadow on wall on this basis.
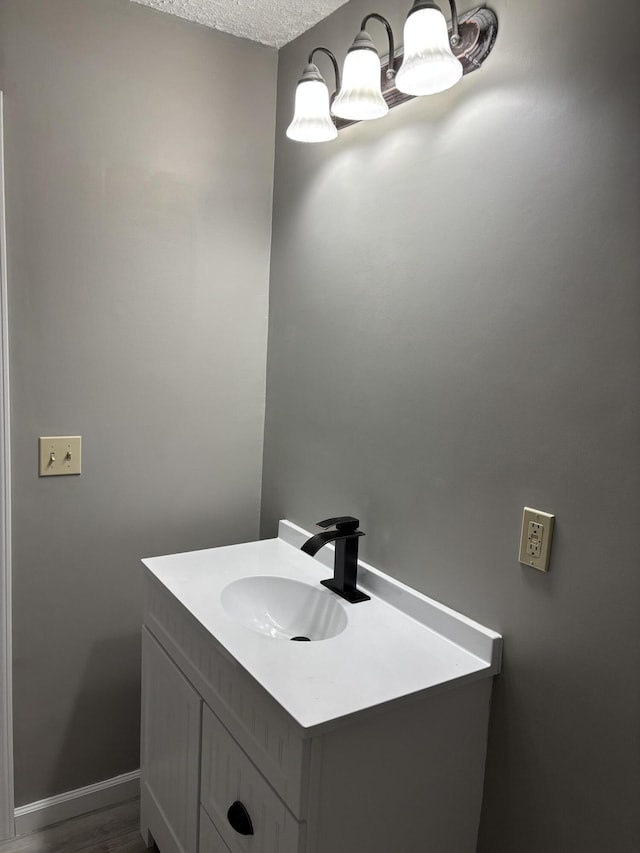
(104, 729)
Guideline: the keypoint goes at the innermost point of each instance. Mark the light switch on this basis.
(60, 455)
(535, 538)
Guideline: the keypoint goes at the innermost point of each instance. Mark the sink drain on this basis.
(301, 639)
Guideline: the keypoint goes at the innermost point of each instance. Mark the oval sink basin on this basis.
(284, 608)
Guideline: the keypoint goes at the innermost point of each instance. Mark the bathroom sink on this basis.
(284, 608)
(294, 728)
(399, 644)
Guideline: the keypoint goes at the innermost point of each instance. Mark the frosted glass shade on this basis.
(428, 66)
(311, 117)
(360, 97)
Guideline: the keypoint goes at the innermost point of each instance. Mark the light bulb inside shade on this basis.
(428, 66)
(311, 118)
(360, 97)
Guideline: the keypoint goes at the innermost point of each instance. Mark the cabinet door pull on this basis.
(239, 818)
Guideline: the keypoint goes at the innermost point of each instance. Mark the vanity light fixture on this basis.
(311, 118)
(429, 65)
(360, 97)
(434, 57)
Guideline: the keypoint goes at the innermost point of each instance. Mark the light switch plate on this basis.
(60, 455)
(535, 538)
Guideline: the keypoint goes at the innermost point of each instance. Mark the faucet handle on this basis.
(344, 523)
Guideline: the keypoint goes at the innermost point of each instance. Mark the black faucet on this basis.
(345, 567)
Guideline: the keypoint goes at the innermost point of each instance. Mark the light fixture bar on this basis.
(477, 31)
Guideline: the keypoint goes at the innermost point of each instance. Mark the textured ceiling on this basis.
(272, 22)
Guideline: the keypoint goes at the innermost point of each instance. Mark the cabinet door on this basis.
(170, 752)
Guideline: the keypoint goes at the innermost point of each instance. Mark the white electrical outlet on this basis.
(535, 538)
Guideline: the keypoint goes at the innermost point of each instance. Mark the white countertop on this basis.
(398, 644)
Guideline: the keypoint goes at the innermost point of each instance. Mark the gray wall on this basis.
(139, 156)
(453, 335)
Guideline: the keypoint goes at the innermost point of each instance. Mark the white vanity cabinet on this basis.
(404, 776)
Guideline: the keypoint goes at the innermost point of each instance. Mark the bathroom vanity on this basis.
(370, 737)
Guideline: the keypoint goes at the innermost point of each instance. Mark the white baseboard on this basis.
(75, 803)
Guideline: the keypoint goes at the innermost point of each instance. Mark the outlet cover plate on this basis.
(60, 455)
(535, 538)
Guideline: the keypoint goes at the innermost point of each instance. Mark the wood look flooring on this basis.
(111, 830)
